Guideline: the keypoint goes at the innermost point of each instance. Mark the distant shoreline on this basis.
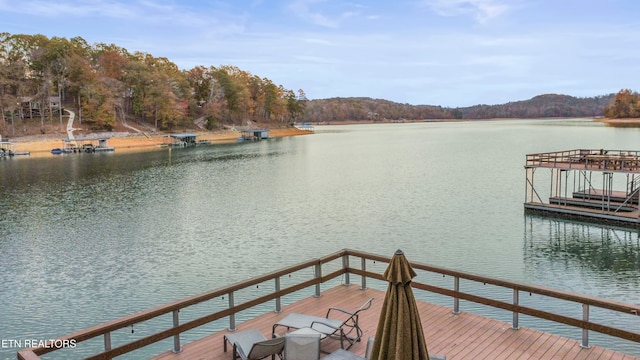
(42, 145)
(630, 122)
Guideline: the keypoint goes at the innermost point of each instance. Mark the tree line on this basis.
(106, 83)
(541, 106)
(368, 109)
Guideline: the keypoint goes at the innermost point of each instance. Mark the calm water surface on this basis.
(87, 238)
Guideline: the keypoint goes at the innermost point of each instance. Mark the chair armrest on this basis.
(323, 324)
(338, 309)
(365, 306)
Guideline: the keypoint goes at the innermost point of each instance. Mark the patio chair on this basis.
(252, 345)
(301, 346)
(338, 324)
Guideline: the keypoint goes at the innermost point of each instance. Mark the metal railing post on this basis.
(516, 301)
(585, 332)
(456, 300)
(364, 278)
(176, 337)
(232, 317)
(345, 266)
(318, 275)
(107, 341)
(278, 303)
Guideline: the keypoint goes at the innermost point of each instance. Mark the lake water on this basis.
(87, 238)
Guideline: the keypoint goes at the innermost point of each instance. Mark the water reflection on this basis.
(87, 239)
(588, 251)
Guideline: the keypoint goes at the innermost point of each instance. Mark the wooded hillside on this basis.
(105, 84)
(541, 106)
(367, 109)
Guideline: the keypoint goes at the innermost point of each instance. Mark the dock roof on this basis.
(183, 136)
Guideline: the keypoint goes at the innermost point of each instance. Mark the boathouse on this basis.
(85, 145)
(184, 139)
(181, 140)
(255, 134)
(8, 149)
(305, 126)
(595, 185)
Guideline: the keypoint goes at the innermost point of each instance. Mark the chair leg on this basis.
(234, 355)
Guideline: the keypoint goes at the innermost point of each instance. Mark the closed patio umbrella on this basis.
(399, 335)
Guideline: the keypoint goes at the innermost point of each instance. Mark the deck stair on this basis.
(614, 196)
(592, 203)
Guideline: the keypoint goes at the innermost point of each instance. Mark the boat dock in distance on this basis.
(184, 140)
(589, 185)
(7, 149)
(72, 146)
(254, 134)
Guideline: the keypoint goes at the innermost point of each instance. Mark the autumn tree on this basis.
(81, 75)
(106, 83)
(626, 104)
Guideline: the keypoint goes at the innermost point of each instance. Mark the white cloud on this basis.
(481, 10)
(71, 8)
(327, 14)
(303, 9)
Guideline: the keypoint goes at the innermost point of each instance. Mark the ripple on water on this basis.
(84, 240)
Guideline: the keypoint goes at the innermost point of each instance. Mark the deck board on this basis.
(463, 336)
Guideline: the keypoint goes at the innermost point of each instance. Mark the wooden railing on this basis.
(345, 269)
(617, 160)
(555, 157)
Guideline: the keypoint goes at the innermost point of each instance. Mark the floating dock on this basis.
(70, 146)
(585, 184)
(7, 149)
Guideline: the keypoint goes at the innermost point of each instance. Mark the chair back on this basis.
(365, 306)
(352, 320)
(262, 349)
(302, 346)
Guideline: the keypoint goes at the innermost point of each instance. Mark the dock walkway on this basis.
(462, 336)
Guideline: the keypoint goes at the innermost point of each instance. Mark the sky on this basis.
(451, 53)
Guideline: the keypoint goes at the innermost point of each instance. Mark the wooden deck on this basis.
(463, 336)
